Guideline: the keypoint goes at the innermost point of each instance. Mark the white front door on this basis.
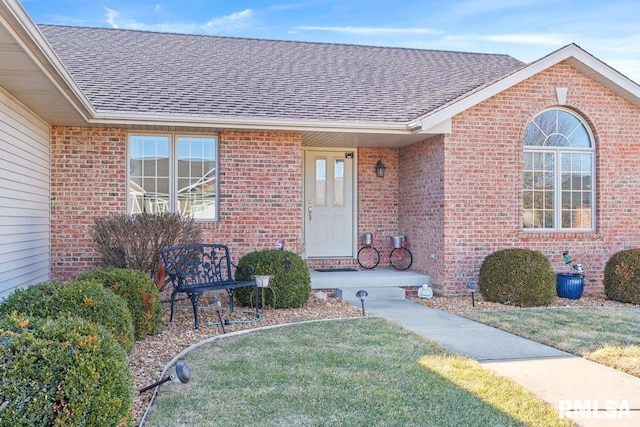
(328, 203)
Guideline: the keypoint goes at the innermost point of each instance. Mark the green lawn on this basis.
(610, 335)
(352, 372)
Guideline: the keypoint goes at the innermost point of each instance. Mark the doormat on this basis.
(334, 270)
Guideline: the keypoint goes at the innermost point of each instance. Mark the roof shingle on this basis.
(147, 72)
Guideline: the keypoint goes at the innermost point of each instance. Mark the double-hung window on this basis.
(558, 173)
(173, 173)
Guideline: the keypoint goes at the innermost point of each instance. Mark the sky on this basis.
(525, 29)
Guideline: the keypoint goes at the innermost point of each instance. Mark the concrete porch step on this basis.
(380, 283)
(349, 293)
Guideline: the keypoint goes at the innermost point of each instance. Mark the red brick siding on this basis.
(87, 180)
(378, 197)
(483, 178)
(421, 205)
(260, 183)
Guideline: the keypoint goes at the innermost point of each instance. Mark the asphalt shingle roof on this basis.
(148, 72)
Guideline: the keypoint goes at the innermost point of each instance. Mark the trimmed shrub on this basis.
(62, 372)
(135, 241)
(622, 276)
(36, 300)
(520, 277)
(290, 286)
(140, 293)
(86, 299)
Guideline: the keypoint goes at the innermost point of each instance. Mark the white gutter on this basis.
(150, 119)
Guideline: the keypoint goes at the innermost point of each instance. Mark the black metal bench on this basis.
(199, 267)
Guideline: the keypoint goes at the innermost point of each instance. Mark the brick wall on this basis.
(421, 206)
(483, 178)
(260, 183)
(87, 180)
(378, 197)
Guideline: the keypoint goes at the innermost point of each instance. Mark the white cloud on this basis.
(529, 39)
(370, 30)
(226, 24)
(112, 16)
(230, 23)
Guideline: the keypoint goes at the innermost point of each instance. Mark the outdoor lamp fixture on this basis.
(472, 286)
(380, 169)
(182, 375)
(362, 294)
(217, 304)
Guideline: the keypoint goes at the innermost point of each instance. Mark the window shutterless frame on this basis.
(173, 173)
(558, 173)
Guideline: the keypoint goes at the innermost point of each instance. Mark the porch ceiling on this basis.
(355, 140)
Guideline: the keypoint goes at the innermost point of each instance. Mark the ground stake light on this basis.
(472, 286)
(182, 375)
(362, 294)
(217, 303)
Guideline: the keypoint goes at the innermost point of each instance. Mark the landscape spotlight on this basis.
(217, 303)
(182, 375)
(472, 286)
(362, 294)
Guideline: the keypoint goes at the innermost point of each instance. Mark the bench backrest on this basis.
(197, 264)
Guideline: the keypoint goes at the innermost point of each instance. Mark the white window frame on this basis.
(173, 205)
(558, 151)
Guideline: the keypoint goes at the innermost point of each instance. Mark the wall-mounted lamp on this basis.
(182, 375)
(362, 294)
(380, 169)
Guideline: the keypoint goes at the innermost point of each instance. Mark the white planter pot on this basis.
(262, 281)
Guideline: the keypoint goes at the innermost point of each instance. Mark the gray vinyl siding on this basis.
(25, 236)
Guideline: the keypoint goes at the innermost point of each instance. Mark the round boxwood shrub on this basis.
(87, 299)
(140, 293)
(520, 277)
(62, 372)
(622, 276)
(290, 286)
(34, 300)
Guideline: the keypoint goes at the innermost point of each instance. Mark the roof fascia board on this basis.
(570, 53)
(145, 119)
(18, 23)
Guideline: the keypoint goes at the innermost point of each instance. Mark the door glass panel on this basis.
(321, 182)
(338, 183)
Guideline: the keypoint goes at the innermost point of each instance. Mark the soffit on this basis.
(23, 78)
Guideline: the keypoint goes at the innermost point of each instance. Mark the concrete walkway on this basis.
(590, 394)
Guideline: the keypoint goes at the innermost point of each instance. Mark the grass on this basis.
(610, 336)
(342, 373)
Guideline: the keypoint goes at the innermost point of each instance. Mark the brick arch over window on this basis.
(558, 181)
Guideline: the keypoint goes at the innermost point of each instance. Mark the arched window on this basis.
(558, 173)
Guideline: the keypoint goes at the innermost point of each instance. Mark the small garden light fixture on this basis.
(217, 304)
(472, 286)
(182, 375)
(362, 294)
